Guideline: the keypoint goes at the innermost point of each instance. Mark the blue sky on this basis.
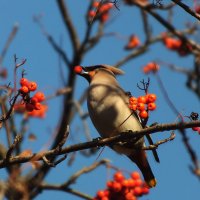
(175, 180)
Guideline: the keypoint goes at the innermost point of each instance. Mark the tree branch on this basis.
(126, 136)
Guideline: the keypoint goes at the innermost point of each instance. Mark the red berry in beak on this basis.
(78, 69)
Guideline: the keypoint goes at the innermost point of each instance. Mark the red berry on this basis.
(141, 106)
(118, 176)
(29, 107)
(32, 86)
(100, 193)
(142, 99)
(78, 69)
(33, 100)
(109, 184)
(37, 106)
(135, 175)
(91, 14)
(137, 191)
(133, 106)
(145, 190)
(130, 196)
(151, 98)
(125, 183)
(95, 4)
(195, 128)
(39, 96)
(24, 89)
(143, 114)
(24, 82)
(133, 100)
(151, 106)
(138, 182)
(104, 17)
(131, 183)
(116, 186)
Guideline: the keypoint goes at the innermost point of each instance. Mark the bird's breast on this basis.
(109, 111)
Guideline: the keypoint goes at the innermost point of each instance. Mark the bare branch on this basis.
(187, 9)
(17, 140)
(68, 24)
(126, 136)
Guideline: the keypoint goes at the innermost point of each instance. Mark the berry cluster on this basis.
(121, 188)
(143, 104)
(133, 42)
(177, 45)
(100, 11)
(151, 67)
(33, 105)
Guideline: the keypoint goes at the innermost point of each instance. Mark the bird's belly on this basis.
(110, 114)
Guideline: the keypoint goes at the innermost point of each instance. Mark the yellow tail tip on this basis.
(151, 183)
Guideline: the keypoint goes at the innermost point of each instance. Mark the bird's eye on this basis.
(78, 69)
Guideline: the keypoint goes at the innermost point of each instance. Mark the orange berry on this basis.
(91, 13)
(145, 190)
(137, 191)
(32, 86)
(104, 17)
(131, 183)
(109, 184)
(78, 69)
(135, 175)
(100, 193)
(143, 114)
(151, 98)
(33, 100)
(118, 176)
(37, 106)
(29, 107)
(130, 196)
(106, 192)
(138, 182)
(117, 186)
(146, 69)
(125, 183)
(24, 89)
(133, 107)
(142, 99)
(39, 96)
(105, 198)
(151, 106)
(133, 100)
(141, 106)
(195, 128)
(95, 4)
(133, 42)
(24, 82)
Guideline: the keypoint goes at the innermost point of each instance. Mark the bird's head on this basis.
(89, 72)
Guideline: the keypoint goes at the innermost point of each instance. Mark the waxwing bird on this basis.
(109, 111)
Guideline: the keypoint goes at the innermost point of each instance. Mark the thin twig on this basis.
(8, 42)
(84, 170)
(155, 146)
(17, 140)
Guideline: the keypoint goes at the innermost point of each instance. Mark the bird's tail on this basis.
(139, 157)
